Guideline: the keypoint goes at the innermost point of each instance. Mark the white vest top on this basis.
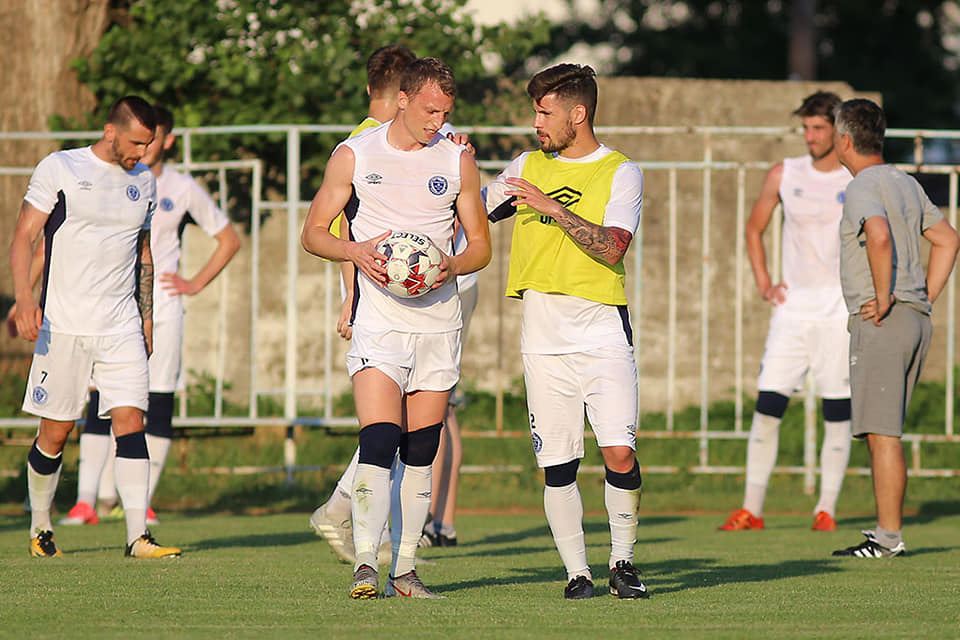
(396, 190)
(178, 194)
(812, 208)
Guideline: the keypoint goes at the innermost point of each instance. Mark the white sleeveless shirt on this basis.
(396, 190)
(812, 208)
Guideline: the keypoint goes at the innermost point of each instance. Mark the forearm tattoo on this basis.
(145, 278)
(606, 243)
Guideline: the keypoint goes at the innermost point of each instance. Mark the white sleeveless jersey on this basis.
(812, 208)
(178, 194)
(96, 210)
(397, 190)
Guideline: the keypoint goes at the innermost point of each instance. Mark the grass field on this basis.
(270, 577)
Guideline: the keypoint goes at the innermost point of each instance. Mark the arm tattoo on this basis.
(144, 277)
(605, 243)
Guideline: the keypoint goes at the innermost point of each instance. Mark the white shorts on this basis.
(559, 387)
(415, 361)
(64, 366)
(796, 343)
(166, 364)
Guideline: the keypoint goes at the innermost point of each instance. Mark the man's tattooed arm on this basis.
(144, 275)
(605, 243)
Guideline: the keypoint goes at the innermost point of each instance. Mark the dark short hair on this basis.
(129, 108)
(864, 122)
(821, 103)
(164, 117)
(424, 70)
(385, 67)
(570, 82)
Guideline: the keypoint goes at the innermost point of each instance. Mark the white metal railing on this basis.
(293, 207)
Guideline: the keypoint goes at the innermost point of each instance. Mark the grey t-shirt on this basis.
(884, 190)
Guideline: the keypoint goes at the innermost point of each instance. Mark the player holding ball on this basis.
(405, 353)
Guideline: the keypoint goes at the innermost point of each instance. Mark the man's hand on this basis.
(369, 260)
(877, 310)
(148, 336)
(344, 328)
(27, 320)
(175, 285)
(463, 140)
(776, 294)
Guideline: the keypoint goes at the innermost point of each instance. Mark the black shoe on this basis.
(429, 539)
(579, 588)
(625, 582)
(871, 548)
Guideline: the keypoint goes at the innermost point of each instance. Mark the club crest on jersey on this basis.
(537, 443)
(438, 185)
(133, 193)
(40, 395)
(842, 197)
(166, 204)
(373, 178)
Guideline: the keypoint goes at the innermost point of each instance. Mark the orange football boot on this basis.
(823, 521)
(741, 520)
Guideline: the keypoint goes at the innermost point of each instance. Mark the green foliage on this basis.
(230, 62)
(749, 40)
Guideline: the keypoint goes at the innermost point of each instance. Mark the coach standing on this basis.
(890, 299)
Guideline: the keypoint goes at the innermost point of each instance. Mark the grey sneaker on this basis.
(365, 583)
(409, 586)
(337, 533)
(871, 548)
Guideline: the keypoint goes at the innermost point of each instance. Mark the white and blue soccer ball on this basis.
(413, 263)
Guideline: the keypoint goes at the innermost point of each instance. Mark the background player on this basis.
(566, 263)
(95, 315)
(180, 200)
(808, 327)
(404, 357)
(890, 300)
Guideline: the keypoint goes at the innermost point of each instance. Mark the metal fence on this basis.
(671, 332)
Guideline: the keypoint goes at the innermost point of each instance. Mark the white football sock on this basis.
(107, 490)
(834, 456)
(94, 450)
(133, 478)
(622, 507)
(408, 510)
(338, 504)
(370, 508)
(41, 489)
(564, 509)
(761, 458)
(158, 447)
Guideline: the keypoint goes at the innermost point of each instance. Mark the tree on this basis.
(227, 62)
(892, 46)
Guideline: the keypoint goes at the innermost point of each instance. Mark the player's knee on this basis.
(378, 444)
(160, 415)
(94, 423)
(627, 481)
(419, 448)
(562, 474)
(836, 409)
(771, 403)
(133, 446)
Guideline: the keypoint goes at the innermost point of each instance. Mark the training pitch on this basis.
(270, 576)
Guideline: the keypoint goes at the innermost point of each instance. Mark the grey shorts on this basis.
(885, 364)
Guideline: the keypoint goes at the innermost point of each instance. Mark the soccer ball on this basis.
(413, 263)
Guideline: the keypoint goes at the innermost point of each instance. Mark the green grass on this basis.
(270, 577)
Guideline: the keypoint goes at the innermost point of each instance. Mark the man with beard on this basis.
(578, 207)
(94, 319)
(808, 328)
